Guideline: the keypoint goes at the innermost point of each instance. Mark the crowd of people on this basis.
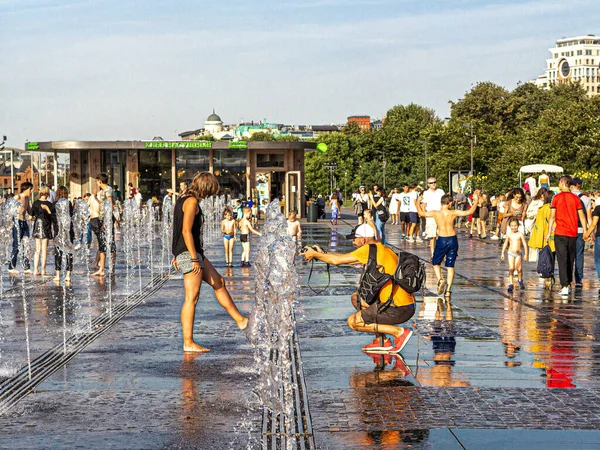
(523, 220)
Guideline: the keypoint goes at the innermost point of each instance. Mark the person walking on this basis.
(432, 198)
(42, 211)
(63, 237)
(565, 209)
(377, 200)
(586, 203)
(540, 229)
(361, 203)
(394, 197)
(595, 226)
(188, 256)
(20, 228)
(544, 180)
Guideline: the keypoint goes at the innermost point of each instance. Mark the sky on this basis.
(123, 69)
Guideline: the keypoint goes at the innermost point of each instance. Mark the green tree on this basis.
(261, 136)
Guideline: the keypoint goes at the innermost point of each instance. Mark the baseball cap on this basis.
(362, 231)
(577, 181)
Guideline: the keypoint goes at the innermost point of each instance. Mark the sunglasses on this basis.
(432, 182)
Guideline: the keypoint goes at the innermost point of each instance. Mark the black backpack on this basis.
(409, 275)
(410, 272)
(383, 213)
(372, 278)
(545, 265)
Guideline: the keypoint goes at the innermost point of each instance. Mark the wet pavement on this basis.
(486, 370)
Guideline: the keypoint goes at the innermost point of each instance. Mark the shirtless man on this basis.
(294, 230)
(246, 228)
(21, 228)
(96, 204)
(446, 244)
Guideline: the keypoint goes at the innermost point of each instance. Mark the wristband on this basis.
(195, 260)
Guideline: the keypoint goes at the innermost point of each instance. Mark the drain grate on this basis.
(275, 436)
(13, 389)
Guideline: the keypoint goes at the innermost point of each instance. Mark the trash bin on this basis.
(312, 213)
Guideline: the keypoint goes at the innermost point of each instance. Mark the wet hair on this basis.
(45, 190)
(227, 211)
(203, 185)
(293, 212)
(446, 199)
(26, 185)
(245, 209)
(566, 179)
(102, 178)
(62, 192)
(513, 219)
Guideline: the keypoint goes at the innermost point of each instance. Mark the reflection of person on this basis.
(369, 318)
(188, 256)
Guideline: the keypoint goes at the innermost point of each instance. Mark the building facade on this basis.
(261, 170)
(364, 122)
(574, 60)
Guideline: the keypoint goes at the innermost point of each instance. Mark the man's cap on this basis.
(363, 230)
(577, 181)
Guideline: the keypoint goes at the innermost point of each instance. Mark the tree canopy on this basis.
(513, 128)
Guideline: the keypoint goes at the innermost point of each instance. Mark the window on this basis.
(588, 52)
(579, 52)
(269, 160)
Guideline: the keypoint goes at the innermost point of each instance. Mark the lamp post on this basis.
(383, 163)
(424, 142)
(472, 137)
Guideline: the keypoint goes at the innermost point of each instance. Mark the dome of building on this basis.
(214, 117)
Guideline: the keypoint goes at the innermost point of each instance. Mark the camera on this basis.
(315, 247)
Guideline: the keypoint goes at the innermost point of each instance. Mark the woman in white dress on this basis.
(394, 206)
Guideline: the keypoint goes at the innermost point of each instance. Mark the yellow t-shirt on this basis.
(387, 258)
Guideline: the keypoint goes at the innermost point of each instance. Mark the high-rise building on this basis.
(574, 60)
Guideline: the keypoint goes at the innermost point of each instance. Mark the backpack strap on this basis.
(372, 253)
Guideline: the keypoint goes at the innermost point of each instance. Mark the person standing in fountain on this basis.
(188, 256)
(21, 228)
(43, 215)
(96, 204)
(62, 192)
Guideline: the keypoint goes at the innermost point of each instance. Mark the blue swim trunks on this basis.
(445, 246)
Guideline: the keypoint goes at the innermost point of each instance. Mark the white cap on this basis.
(365, 231)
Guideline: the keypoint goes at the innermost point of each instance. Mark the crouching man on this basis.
(382, 316)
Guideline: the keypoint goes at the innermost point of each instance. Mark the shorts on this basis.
(405, 217)
(394, 315)
(514, 255)
(446, 246)
(184, 260)
(413, 217)
(228, 237)
(243, 238)
(430, 227)
(97, 227)
(476, 213)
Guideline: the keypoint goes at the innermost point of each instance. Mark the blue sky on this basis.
(107, 69)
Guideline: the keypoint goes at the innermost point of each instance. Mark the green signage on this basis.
(33, 146)
(238, 144)
(182, 144)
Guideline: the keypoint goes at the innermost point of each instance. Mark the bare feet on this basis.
(13, 271)
(243, 324)
(36, 273)
(193, 347)
(98, 273)
(27, 271)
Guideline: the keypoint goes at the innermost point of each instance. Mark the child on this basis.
(254, 215)
(294, 230)
(239, 212)
(515, 241)
(245, 230)
(368, 219)
(228, 228)
(446, 244)
(335, 210)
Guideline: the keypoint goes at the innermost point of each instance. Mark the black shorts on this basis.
(405, 217)
(394, 315)
(97, 227)
(243, 238)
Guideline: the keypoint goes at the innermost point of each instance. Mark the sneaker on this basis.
(441, 286)
(521, 284)
(400, 365)
(381, 360)
(419, 240)
(375, 346)
(248, 264)
(565, 291)
(510, 288)
(494, 237)
(578, 285)
(410, 240)
(242, 264)
(401, 341)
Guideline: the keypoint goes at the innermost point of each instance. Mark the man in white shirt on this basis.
(404, 200)
(432, 201)
(413, 214)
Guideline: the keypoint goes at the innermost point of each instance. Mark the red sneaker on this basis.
(401, 341)
(375, 346)
(400, 365)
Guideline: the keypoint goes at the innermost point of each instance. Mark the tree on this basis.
(261, 136)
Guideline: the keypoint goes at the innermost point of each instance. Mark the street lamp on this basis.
(383, 163)
(425, 145)
(473, 138)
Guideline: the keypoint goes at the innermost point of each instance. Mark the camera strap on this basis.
(312, 265)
